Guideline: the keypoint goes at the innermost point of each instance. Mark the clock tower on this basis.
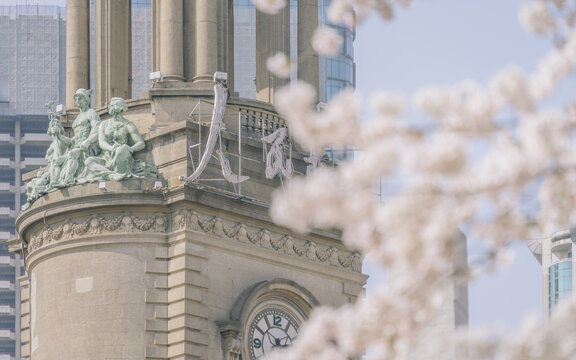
(150, 238)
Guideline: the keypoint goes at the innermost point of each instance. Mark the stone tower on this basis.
(186, 265)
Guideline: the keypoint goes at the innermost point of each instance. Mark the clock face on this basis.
(270, 329)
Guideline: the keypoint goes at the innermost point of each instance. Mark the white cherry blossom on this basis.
(436, 186)
(269, 6)
(279, 65)
(326, 41)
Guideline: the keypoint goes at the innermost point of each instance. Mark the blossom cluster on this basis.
(467, 167)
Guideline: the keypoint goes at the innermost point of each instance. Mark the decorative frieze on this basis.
(263, 238)
(96, 225)
(192, 220)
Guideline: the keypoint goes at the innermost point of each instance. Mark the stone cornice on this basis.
(68, 215)
(132, 192)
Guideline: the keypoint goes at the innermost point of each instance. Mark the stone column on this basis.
(272, 35)
(155, 35)
(230, 39)
(206, 40)
(308, 62)
(77, 48)
(189, 46)
(171, 40)
(113, 50)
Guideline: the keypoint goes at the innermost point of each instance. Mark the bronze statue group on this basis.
(97, 151)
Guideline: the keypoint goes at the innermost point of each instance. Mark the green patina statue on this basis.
(118, 138)
(56, 153)
(84, 143)
(98, 150)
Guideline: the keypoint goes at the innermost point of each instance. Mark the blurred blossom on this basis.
(443, 153)
(511, 86)
(387, 104)
(336, 124)
(279, 65)
(385, 10)
(536, 18)
(326, 41)
(412, 231)
(342, 12)
(505, 257)
(436, 101)
(269, 6)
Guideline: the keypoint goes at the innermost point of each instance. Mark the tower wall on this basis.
(96, 309)
(128, 270)
(188, 265)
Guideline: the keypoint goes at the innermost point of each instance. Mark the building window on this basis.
(559, 282)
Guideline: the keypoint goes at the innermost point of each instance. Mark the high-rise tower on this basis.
(187, 264)
(555, 255)
(31, 68)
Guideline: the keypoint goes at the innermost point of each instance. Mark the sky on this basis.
(442, 42)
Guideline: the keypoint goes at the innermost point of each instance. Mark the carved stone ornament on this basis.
(231, 344)
(96, 225)
(263, 238)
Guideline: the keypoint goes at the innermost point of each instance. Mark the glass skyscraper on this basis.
(555, 255)
(336, 73)
(32, 72)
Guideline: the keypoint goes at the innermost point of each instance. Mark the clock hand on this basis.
(272, 339)
(285, 340)
(275, 341)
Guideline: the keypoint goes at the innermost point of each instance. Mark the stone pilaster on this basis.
(157, 298)
(206, 39)
(25, 317)
(77, 48)
(230, 39)
(272, 35)
(189, 46)
(171, 40)
(155, 35)
(113, 50)
(308, 62)
(188, 313)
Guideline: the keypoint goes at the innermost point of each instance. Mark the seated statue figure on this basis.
(99, 150)
(84, 143)
(49, 179)
(119, 139)
(37, 187)
(56, 154)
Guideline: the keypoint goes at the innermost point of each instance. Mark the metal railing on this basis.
(258, 124)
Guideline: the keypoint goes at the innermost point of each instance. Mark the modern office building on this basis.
(33, 57)
(141, 47)
(555, 255)
(23, 143)
(32, 72)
